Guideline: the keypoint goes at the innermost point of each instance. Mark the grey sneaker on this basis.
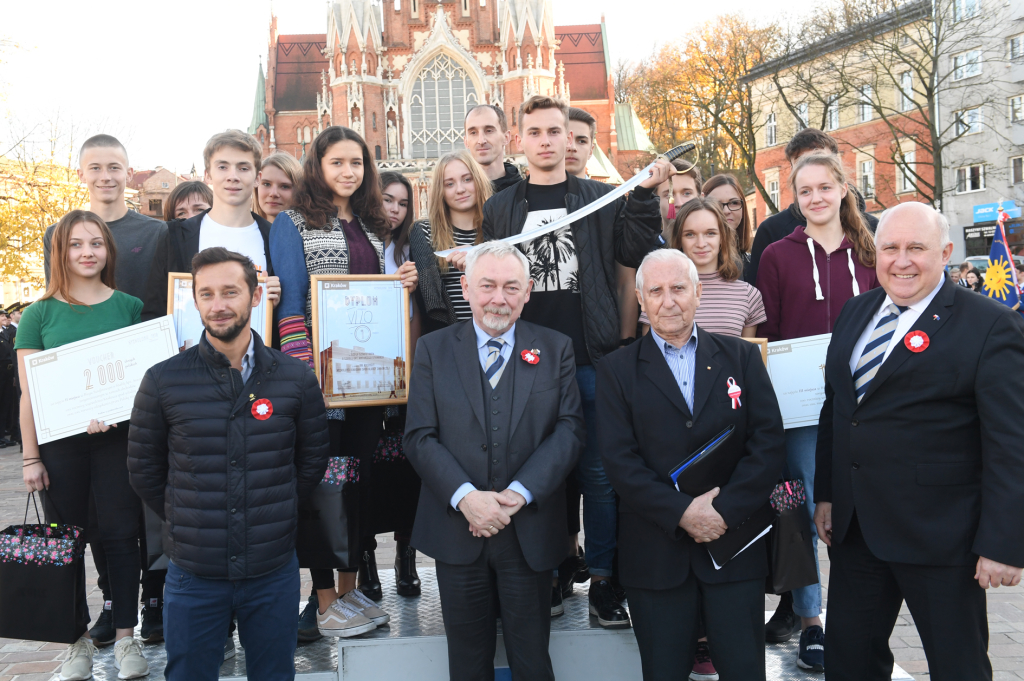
(129, 660)
(362, 604)
(341, 620)
(78, 661)
(229, 648)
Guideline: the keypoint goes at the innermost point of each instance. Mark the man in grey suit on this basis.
(494, 427)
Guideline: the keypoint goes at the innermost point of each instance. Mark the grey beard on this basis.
(497, 318)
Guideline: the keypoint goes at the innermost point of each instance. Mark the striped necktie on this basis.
(495, 361)
(874, 352)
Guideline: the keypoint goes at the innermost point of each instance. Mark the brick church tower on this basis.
(403, 73)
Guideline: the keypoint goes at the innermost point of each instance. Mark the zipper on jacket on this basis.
(828, 298)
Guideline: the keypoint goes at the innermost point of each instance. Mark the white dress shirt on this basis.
(906, 321)
(506, 353)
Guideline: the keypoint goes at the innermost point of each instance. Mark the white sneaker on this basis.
(341, 620)
(129, 660)
(362, 604)
(78, 661)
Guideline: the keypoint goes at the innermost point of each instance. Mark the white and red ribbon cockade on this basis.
(530, 356)
(916, 341)
(734, 393)
(262, 409)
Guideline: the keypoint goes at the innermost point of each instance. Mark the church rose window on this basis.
(441, 95)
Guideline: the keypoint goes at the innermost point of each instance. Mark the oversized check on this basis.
(94, 378)
(797, 370)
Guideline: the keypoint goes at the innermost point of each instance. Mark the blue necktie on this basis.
(494, 361)
(874, 352)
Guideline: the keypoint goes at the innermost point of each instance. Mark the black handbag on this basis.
(42, 581)
(791, 552)
(323, 539)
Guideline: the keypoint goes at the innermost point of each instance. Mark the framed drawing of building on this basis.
(188, 326)
(361, 339)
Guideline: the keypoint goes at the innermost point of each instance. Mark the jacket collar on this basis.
(799, 235)
(218, 359)
(705, 372)
(572, 188)
(190, 228)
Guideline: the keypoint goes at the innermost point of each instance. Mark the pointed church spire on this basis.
(259, 107)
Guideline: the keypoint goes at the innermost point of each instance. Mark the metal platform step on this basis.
(412, 647)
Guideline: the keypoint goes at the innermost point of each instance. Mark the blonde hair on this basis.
(288, 165)
(442, 236)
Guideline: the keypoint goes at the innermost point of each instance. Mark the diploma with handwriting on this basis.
(94, 378)
(797, 370)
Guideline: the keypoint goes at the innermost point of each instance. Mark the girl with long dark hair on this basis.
(337, 226)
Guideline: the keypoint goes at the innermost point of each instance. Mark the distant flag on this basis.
(1001, 275)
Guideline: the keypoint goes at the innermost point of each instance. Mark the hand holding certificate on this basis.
(95, 378)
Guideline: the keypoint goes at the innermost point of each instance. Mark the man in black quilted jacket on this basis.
(225, 438)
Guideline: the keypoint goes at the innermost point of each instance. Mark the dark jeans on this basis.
(469, 607)
(600, 515)
(198, 611)
(97, 465)
(666, 624)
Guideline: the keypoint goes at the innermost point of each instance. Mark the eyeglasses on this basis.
(732, 206)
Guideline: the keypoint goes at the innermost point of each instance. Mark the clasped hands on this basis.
(701, 521)
(490, 512)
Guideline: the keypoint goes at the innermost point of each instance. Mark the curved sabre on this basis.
(586, 210)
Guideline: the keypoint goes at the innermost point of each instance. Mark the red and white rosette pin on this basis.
(262, 409)
(734, 393)
(531, 356)
(916, 341)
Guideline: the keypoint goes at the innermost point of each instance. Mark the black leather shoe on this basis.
(618, 590)
(308, 629)
(573, 570)
(605, 607)
(407, 580)
(369, 580)
(784, 623)
(556, 601)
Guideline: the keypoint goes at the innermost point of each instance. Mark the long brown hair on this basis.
(400, 234)
(315, 199)
(744, 232)
(60, 273)
(288, 165)
(855, 227)
(730, 267)
(441, 235)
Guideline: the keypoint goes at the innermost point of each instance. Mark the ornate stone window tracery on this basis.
(441, 95)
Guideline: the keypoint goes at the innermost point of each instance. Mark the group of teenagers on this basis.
(230, 515)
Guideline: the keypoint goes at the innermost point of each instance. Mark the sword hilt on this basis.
(675, 152)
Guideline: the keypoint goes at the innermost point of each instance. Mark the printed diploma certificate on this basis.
(94, 378)
(797, 370)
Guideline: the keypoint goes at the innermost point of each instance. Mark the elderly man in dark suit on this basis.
(494, 427)
(658, 401)
(919, 489)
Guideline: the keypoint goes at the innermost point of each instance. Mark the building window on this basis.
(376, 152)
(801, 116)
(1015, 47)
(156, 206)
(867, 178)
(441, 94)
(966, 64)
(904, 177)
(164, 185)
(773, 192)
(964, 9)
(832, 113)
(1017, 169)
(906, 91)
(968, 122)
(1017, 109)
(970, 178)
(415, 8)
(375, 122)
(769, 130)
(865, 112)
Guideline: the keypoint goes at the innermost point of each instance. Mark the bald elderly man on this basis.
(919, 489)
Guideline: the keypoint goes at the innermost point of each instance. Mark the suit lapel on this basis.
(525, 374)
(660, 375)
(927, 323)
(705, 371)
(859, 320)
(467, 360)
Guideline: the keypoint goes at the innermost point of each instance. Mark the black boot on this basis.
(784, 623)
(407, 580)
(369, 580)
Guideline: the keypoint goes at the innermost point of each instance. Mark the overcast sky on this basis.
(165, 76)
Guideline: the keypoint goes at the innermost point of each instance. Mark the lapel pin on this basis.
(916, 341)
(935, 317)
(530, 356)
(251, 397)
(734, 392)
(262, 409)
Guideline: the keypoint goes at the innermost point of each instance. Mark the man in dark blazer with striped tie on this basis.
(919, 489)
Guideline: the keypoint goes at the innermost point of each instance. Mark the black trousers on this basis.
(97, 466)
(152, 580)
(864, 598)
(469, 607)
(666, 624)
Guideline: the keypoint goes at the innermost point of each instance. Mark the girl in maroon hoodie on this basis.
(805, 279)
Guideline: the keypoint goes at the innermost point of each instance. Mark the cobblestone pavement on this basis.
(34, 661)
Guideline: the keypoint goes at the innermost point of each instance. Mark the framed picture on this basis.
(361, 338)
(187, 324)
(763, 342)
